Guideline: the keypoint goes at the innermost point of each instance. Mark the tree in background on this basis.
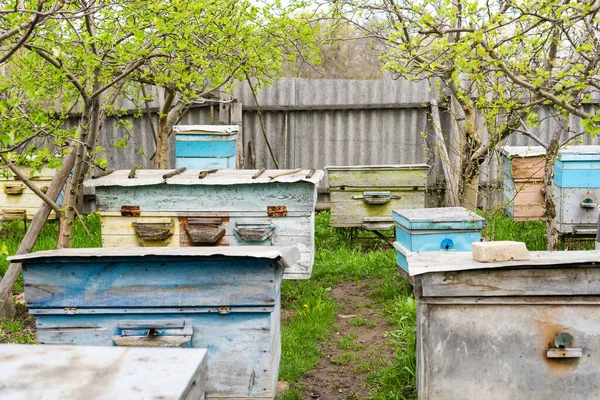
(497, 62)
(84, 62)
(215, 43)
(344, 53)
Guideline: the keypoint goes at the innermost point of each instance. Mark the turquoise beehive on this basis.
(206, 146)
(435, 229)
(577, 189)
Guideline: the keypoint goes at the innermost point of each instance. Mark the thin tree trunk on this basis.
(162, 144)
(549, 200)
(470, 170)
(37, 223)
(87, 141)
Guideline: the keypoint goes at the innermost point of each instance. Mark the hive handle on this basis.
(153, 230)
(374, 198)
(15, 188)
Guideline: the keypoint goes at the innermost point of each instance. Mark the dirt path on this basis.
(357, 346)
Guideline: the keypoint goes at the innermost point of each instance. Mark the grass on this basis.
(11, 234)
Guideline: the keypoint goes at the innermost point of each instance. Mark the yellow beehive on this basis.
(17, 201)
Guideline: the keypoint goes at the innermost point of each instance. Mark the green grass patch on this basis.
(348, 342)
(11, 234)
(360, 321)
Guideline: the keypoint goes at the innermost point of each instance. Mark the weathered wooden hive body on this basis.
(577, 189)
(523, 181)
(84, 372)
(17, 201)
(364, 196)
(226, 208)
(224, 299)
(512, 330)
(206, 146)
(448, 229)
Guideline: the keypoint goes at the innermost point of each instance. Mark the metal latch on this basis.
(204, 230)
(254, 231)
(588, 202)
(153, 230)
(563, 342)
(154, 334)
(224, 310)
(376, 197)
(14, 188)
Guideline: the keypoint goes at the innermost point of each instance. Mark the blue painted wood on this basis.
(96, 301)
(205, 148)
(508, 187)
(297, 196)
(149, 282)
(435, 230)
(203, 163)
(243, 360)
(577, 174)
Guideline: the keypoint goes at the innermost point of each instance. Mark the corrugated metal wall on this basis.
(352, 130)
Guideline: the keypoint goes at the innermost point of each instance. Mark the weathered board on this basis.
(206, 146)
(17, 200)
(577, 189)
(225, 299)
(523, 181)
(225, 208)
(91, 373)
(449, 229)
(364, 196)
(490, 333)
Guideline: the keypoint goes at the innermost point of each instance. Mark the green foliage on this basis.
(12, 233)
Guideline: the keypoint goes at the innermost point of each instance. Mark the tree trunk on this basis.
(470, 170)
(162, 143)
(88, 135)
(549, 200)
(37, 223)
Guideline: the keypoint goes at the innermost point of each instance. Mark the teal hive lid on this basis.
(447, 218)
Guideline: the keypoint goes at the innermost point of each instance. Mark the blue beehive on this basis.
(577, 189)
(206, 146)
(225, 299)
(435, 229)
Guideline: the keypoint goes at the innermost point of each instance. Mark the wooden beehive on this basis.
(523, 181)
(84, 372)
(224, 299)
(577, 189)
(206, 146)
(226, 208)
(447, 229)
(510, 330)
(17, 201)
(364, 196)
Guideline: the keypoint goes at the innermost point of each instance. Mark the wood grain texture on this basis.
(295, 231)
(300, 196)
(243, 348)
(150, 283)
(83, 372)
(374, 176)
(348, 211)
(531, 168)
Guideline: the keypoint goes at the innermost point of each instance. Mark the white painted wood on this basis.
(206, 129)
(190, 177)
(421, 263)
(97, 373)
(286, 255)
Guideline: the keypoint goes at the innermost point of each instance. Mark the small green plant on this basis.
(360, 321)
(343, 359)
(347, 342)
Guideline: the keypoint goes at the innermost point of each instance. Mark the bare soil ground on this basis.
(356, 347)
